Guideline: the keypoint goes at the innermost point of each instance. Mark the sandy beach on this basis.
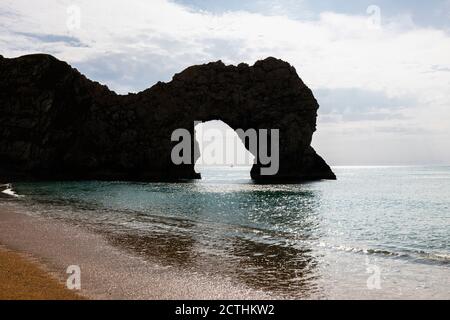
(25, 277)
(106, 271)
(21, 278)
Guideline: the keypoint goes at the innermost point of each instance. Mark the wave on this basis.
(8, 190)
(415, 255)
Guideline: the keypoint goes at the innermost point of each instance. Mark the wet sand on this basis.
(24, 279)
(107, 272)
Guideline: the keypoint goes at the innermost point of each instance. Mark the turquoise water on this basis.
(297, 240)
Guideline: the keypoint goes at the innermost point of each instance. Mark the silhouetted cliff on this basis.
(56, 123)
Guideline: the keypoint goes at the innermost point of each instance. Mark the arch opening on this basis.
(222, 154)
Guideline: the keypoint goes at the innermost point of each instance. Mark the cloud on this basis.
(353, 104)
(335, 51)
(127, 72)
(291, 8)
(439, 68)
(53, 38)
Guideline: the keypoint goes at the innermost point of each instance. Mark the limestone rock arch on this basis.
(56, 123)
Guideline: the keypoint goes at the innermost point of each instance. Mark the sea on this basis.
(376, 232)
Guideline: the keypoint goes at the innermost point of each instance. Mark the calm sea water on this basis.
(375, 232)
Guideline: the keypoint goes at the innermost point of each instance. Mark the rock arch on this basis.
(56, 123)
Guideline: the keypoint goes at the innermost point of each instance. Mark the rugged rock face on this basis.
(56, 123)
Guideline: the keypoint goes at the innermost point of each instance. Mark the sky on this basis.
(380, 70)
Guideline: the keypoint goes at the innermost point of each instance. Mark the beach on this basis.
(22, 278)
(106, 271)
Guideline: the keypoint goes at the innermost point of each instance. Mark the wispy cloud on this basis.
(439, 68)
(53, 38)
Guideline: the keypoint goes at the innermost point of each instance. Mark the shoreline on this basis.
(107, 272)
